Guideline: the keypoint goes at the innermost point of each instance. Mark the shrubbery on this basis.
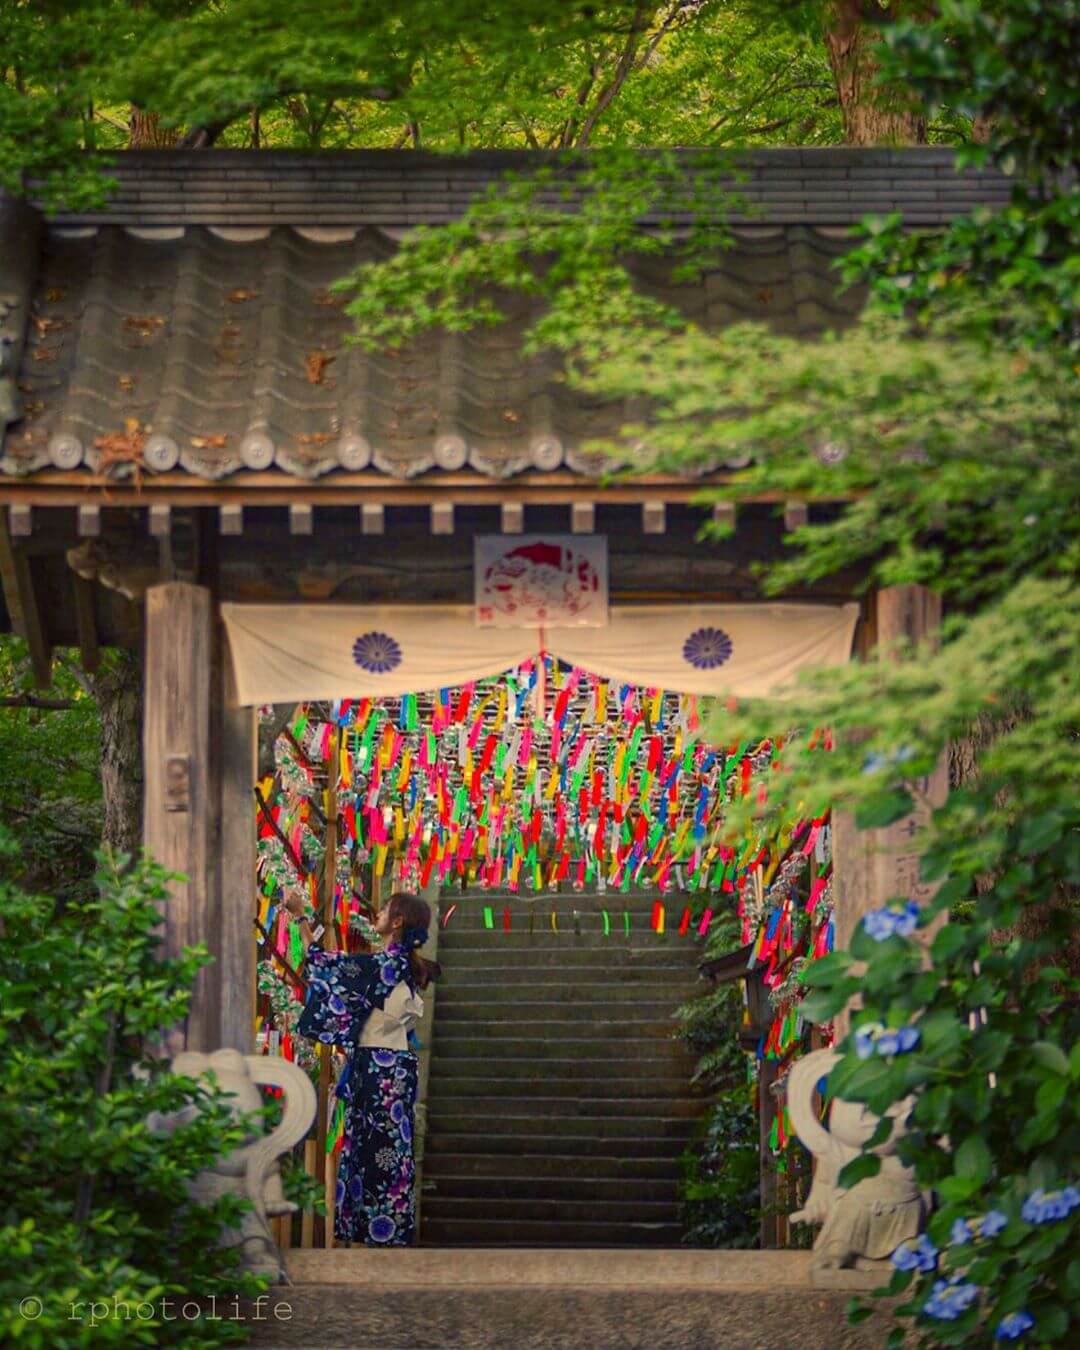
(93, 1206)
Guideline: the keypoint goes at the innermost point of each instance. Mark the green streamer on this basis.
(489, 918)
(626, 921)
(607, 923)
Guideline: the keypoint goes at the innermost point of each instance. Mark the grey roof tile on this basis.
(204, 342)
(387, 187)
(154, 318)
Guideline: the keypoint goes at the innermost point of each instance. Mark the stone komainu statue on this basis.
(863, 1226)
(250, 1171)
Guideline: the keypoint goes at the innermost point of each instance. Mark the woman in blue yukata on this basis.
(369, 1004)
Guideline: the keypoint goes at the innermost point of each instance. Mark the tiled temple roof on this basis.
(194, 308)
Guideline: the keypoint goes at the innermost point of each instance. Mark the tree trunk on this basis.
(871, 116)
(119, 695)
(145, 131)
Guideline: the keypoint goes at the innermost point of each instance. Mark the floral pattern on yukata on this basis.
(375, 1203)
(343, 989)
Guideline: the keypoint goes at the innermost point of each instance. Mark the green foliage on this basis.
(720, 1191)
(93, 1206)
(50, 791)
(439, 74)
(1011, 64)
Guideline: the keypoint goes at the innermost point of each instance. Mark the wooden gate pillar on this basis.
(873, 865)
(178, 797)
(236, 857)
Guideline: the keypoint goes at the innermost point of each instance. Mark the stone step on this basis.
(503, 947)
(552, 1029)
(449, 1084)
(573, 1106)
(554, 992)
(544, 974)
(444, 1185)
(659, 1070)
(518, 1040)
(451, 1120)
(561, 1209)
(630, 1147)
(545, 1233)
(502, 1314)
(536, 952)
(534, 1167)
(463, 1008)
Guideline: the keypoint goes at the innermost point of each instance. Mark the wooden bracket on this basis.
(231, 519)
(372, 518)
(653, 517)
(582, 517)
(723, 513)
(301, 518)
(513, 517)
(795, 514)
(442, 518)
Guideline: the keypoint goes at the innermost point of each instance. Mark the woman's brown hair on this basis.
(415, 914)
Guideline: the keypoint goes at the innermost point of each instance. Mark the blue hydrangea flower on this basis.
(376, 652)
(907, 919)
(907, 1039)
(881, 924)
(920, 1255)
(866, 1038)
(950, 1298)
(1049, 1206)
(876, 1039)
(991, 1223)
(960, 1233)
(707, 648)
(1014, 1325)
(384, 1058)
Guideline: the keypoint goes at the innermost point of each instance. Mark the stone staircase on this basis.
(558, 1102)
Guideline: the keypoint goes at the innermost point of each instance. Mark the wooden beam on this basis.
(231, 518)
(583, 517)
(796, 513)
(372, 518)
(442, 518)
(513, 517)
(176, 753)
(301, 518)
(86, 623)
(653, 517)
(160, 521)
(89, 521)
(23, 605)
(61, 488)
(21, 522)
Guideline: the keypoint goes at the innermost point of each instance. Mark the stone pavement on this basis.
(544, 1299)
